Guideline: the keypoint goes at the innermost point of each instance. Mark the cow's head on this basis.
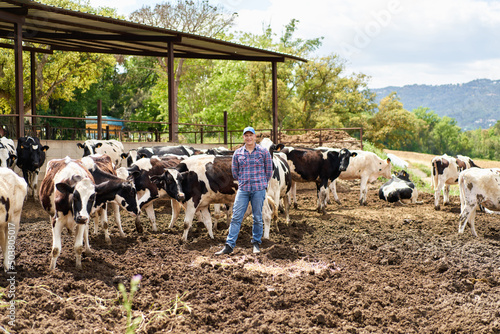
(130, 157)
(385, 168)
(270, 146)
(124, 193)
(146, 190)
(171, 181)
(344, 157)
(403, 175)
(80, 193)
(30, 153)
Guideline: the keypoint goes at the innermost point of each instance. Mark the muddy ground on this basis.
(382, 268)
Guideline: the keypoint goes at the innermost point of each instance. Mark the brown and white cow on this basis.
(198, 182)
(13, 191)
(367, 167)
(307, 165)
(113, 148)
(445, 171)
(116, 191)
(68, 194)
(478, 186)
(142, 171)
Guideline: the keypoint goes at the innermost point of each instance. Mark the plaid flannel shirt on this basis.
(252, 170)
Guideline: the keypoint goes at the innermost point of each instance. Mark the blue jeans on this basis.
(256, 198)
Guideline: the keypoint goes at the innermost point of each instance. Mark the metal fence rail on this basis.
(158, 132)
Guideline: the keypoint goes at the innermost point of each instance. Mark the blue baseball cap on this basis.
(248, 129)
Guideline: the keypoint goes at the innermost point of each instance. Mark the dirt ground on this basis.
(382, 268)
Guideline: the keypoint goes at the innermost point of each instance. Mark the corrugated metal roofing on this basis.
(68, 30)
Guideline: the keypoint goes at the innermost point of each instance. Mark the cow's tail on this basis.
(461, 189)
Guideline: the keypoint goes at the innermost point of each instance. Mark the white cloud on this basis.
(397, 42)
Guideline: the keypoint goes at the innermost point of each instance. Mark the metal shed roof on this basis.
(68, 30)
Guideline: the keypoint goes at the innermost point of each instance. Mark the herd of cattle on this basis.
(75, 190)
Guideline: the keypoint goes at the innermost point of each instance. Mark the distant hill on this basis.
(473, 105)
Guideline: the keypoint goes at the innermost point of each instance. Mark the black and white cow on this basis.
(7, 152)
(445, 171)
(478, 186)
(198, 182)
(30, 158)
(116, 191)
(219, 151)
(13, 191)
(112, 147)
(278, 187)
(399, 189)
(367, 167)
(181, 151)
(319, 167)
(143, 170)
(68, 194)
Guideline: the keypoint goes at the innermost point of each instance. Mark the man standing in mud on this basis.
(252, 167)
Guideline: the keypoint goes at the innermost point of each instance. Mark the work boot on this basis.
(226, 250)
(256, 248)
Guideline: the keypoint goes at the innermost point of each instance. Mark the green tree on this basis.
(392, 126)
(199, 17)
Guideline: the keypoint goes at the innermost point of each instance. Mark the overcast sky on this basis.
(396, 42)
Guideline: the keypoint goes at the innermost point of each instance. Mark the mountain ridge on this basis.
(475, 104)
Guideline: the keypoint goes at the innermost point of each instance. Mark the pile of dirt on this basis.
(313, 139)
(324, 138)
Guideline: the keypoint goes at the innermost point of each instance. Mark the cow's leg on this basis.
(3, 242)
(465, 216)
(138, 224)
(57, 227)
(322, 189)
(118, 219)
(80, 231)
(97, 219)
(150, 211)
(287, 210)
(35, 184)
(363, 190)
(28, 178)
(293, 192)
(472, 220)
(267, 210)
(207, 220)
(229, 213)
(176, 210)
(333, 189)
(188, 219)
(437, 192)
(446, 194)
(104, 223)
(87, 251)
(217, 211)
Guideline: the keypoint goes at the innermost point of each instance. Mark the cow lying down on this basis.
(399, 189)
(478, 186)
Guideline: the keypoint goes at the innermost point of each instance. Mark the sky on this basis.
(395, 42)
